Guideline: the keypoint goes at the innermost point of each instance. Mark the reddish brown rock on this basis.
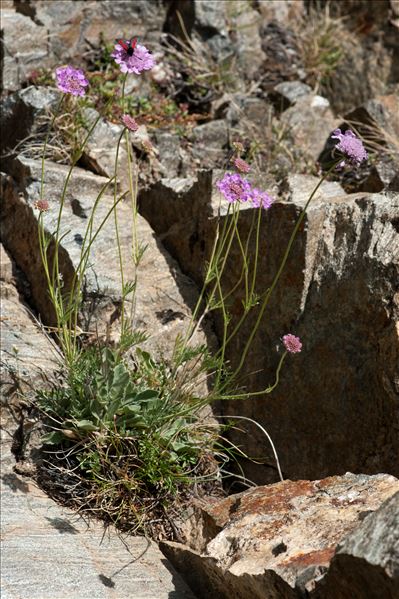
(276, 542)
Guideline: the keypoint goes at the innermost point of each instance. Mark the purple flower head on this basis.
(71, 81)
(140, 60)
(234, 188)
(292, 344)
(349, 145)
(260, 199)
(129, 122)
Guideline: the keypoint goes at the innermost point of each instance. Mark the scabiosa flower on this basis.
(129, 122)
(292, 344)
(41, 205)
(71, 81)
(234, 188)
(241, 165)
(349, 145)
(140, 60)
(260, 199)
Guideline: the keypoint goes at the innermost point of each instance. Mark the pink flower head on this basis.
(234, 188)
(241, 165)
(349, 145)
(260, 199)
(41, 205)
(140, 60)
(71, 81)
(129, 122)
(292, 344)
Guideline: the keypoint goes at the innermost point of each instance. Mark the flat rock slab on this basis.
(51, 553)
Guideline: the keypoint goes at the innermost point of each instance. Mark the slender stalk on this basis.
(263, 391)
(264, 431)
(278, 274)
(117, 233)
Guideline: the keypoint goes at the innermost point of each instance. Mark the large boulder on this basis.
(335, 408)
(276, 542)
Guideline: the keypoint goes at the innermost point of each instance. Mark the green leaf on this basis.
(86, 425)
(54, 438)
(147, 395)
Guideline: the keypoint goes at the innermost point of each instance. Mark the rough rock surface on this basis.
(310, 122)
(163, 294)
(367, 561)
(341, 275)
(50, 553)
(276, 542)
(20, 111)
(26, 353)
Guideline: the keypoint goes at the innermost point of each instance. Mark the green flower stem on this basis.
(117, 232)
(250, 304)
(76, 285)
(133, 188)
(64, 190)
(278, 274)
(209, 276)
(213, 272)
(263, 391)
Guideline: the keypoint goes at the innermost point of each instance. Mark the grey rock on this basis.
(301, 186)
(249, 44)
(394, 184)
(168, 145)
(310, 122)
(100, 151)
(368, 64)
(377, 119)
(48, 552)
(209, 141)
(162, 288)
(377, 122)
(277, 541)
(383, 174)
(27, 355)
(366, 562)
(284, 11)
(283, 61)
(203, 574)
(287, 93)
(20, 112)
(204, 20)
(25, 46)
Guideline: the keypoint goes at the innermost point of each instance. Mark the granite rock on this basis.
(276, 542)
